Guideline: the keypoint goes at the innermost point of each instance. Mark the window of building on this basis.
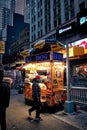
(41, 12)
(66, 9)
(55, 23)
(72, 13)
(38, 14)
(34, 18)
(41, 32)
(34, 36)
(59, 21)
(38, 34)
(45, 29)
(34, 27)
(38, 24)
(40, 2)
(41, 22)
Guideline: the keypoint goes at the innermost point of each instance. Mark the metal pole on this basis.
(69, 105)
(1, 58)
(68, 72)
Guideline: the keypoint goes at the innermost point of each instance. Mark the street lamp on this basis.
(69, 105)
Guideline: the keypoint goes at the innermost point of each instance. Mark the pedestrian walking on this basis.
(4, 98)
(36, 98)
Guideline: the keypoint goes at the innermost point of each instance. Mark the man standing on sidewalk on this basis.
(4, 98)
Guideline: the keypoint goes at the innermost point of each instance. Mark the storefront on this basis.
(78, 64)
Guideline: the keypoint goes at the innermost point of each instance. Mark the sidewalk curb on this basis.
(68, 119)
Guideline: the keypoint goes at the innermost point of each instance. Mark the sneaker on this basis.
(37, 119)
(29, 112)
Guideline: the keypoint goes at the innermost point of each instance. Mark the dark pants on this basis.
(36, 107)
(3, 118)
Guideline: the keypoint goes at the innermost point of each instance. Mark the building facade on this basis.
(19, 6)
(7, 10)
(48, 15)
(16, 47)
(66, 21)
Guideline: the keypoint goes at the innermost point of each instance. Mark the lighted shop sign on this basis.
(44, 57)
(83, 20)
(57, 56)
(82, 42)
(65, 29)
(40, 57)
(2, 47)
(79, 43)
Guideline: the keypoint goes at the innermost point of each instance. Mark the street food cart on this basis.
(49, 67)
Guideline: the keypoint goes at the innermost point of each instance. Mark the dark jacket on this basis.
(36, 90)
(4, 94)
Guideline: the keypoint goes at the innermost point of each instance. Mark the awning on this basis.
(40, 44)
(52, 45)
(25, 53)
(57, 47)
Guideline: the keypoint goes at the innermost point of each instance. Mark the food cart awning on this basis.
(57, 47)
(40, 44)
(27, 52)
(49, 45)
(43, 46)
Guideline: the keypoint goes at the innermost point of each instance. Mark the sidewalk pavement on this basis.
(77, 119)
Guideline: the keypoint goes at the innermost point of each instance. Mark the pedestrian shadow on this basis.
(51, 110)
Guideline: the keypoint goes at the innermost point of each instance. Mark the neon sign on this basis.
(57, 56)
(83, 20)
(65, 29)
(45, 57)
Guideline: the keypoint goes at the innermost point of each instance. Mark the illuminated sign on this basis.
(45, 57)
(57, 56)
(83, 20)
(65, 29)
(2, 47)
(42, 57)
(82, 42)
(28, 59)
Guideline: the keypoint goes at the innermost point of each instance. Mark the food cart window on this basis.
(58, 74)
(42, 72)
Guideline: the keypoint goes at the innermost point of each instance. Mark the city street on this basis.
(17, 117)
(43, 53)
